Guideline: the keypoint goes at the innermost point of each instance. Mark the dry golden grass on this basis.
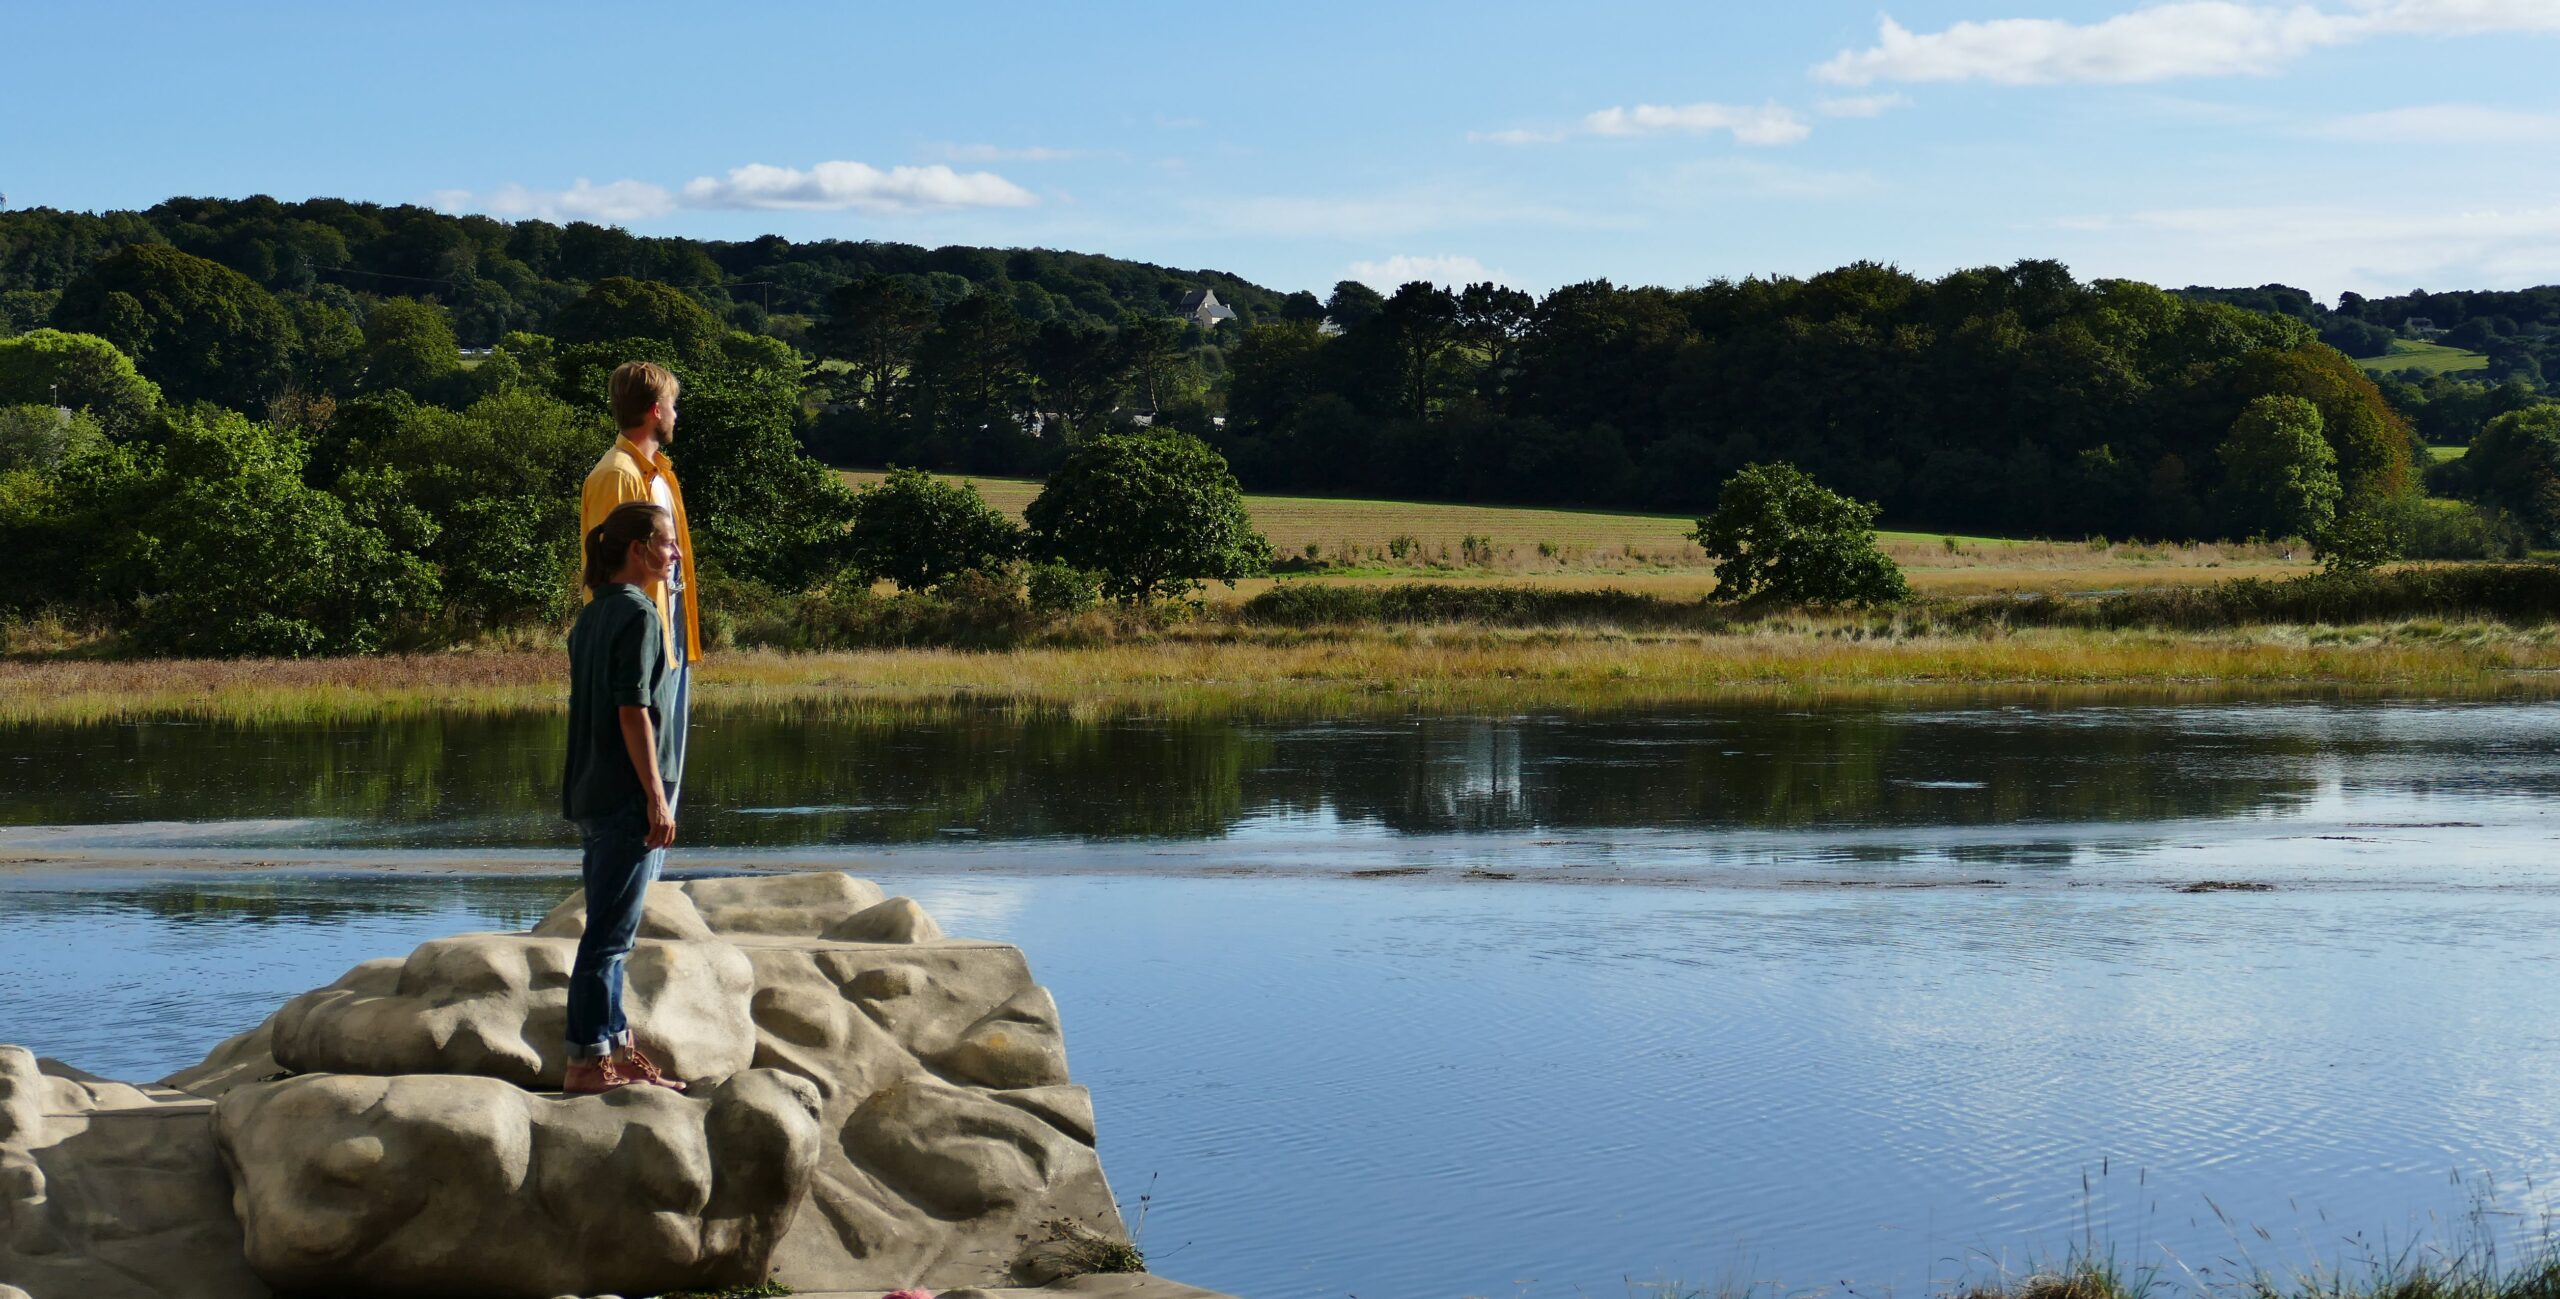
(1362, 535)
(1219, 669)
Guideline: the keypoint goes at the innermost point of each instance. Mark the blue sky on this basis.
(2374, 145)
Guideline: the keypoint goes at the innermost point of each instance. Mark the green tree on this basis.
(498, 480)
(761, 506)
(408, 346)
(2515, 465)
(235, 554)
(42, 437)
(200, 329)
(970, 374)
(1778, 535)
(1151, 352)
(1155, 513)
(874, 325)
(920, 531)
(619, 308)
(1353, 304)
(2371, 439)
(2279, 474)
(47, 367)
(1080, 372)
(329, 355)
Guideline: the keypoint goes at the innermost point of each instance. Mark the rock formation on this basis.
(874, 1105)
(109, 1191)
(425, 1184)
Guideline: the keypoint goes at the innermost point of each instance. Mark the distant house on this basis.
(1201, 307)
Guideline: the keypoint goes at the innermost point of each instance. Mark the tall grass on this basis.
(1306, 650)
(1228, 670)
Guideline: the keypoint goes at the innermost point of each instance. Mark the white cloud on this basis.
(1446, 271)
(828, 186)
(1861, 105)
(614, 204)
(1767, 124)
(2445, 124)
(832, 186)
(2184, 38)
(1002, 153)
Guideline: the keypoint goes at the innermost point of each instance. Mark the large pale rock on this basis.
(497, 1005)
(109, 1191)
(950, 1132)
(955, 1133)
(432, 1185)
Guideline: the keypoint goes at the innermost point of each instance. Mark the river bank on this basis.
(1230, 670)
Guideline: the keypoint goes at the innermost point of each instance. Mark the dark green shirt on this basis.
(617, 659)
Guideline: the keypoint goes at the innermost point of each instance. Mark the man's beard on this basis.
(666, 431)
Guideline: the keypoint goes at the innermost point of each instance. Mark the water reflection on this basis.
(816, 778)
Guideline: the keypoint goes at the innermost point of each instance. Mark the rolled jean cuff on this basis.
(583, 1051)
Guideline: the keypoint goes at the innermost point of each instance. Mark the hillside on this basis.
(494, 276)
(2426, 358)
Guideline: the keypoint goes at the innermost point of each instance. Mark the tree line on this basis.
(495, 277)
(167, 407)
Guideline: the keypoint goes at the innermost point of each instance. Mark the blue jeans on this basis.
(618, 868)
(679, 719)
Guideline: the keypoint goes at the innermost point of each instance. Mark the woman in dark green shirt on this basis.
(615, 784)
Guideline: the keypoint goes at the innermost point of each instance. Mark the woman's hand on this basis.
(662, 823)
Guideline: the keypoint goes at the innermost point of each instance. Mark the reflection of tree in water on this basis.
(802, 776)
(1000, 773)
(408, 770)
(1771, 768)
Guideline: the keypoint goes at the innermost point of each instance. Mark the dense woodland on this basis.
(428, 387)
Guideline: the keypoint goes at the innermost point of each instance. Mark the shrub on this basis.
(920, 531)
(1154, 513)
(240, 557)
(1778, 535)
(2432, 529)
(1057, 589)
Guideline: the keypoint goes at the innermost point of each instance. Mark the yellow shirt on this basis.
(626, 475)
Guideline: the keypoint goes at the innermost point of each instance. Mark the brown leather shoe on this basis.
(589, 1077)
(636, 1066)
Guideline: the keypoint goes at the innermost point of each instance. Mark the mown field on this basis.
(2432, 358)
(1384, 541)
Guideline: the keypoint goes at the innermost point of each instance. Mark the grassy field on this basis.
(1224, 669)
(2433, 358)
(2442, 454)
(1360, 540)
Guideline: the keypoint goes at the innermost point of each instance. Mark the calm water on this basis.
(1703, 1031)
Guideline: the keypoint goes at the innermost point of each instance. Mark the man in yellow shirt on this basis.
(643, 398)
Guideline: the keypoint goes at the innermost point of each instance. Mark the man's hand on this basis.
(662, 822)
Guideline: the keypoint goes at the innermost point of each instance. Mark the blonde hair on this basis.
(637, 386)
(608, 543)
